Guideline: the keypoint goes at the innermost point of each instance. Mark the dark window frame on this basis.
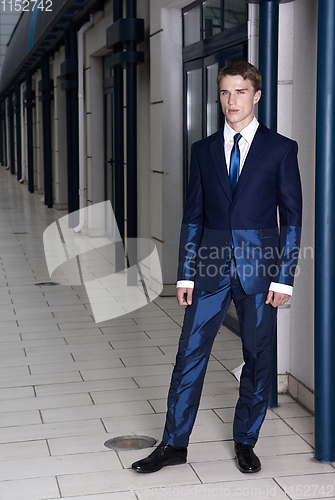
(234, 33)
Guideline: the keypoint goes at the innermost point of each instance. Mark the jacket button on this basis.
(227, 243)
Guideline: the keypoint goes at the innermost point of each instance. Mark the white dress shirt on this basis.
(248, 134)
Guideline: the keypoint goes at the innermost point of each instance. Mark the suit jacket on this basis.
(214, 221)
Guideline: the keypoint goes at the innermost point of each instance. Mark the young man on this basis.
(231, 248)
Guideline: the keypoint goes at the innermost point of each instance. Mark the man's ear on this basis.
(257, 96)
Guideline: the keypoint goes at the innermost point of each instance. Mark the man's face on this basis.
(238, 99)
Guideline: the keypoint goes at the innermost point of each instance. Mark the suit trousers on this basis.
(202, 320)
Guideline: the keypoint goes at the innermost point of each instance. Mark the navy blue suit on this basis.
(232, 248)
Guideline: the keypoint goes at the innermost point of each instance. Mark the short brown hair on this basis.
(244, 69)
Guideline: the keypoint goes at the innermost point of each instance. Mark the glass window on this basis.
(212, 18)
(109, 177)
(192, 26)
(108, 72)
(212, 98)
(234, 13)
(108, 131)
(194, 107)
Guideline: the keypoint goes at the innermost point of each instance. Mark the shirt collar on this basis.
(248, 133)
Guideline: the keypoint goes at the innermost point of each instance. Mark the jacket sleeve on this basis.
(192, 224)
(290, 217)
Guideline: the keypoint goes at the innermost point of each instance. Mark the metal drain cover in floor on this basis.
(130, 443)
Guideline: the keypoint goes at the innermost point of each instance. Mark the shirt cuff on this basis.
(281, 288)
(185, 284)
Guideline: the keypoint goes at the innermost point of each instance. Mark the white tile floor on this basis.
(68, 384)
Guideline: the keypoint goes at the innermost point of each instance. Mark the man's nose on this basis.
(232, 99)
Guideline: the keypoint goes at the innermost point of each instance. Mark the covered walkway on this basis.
(68, 384)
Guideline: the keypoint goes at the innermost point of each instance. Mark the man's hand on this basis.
(277, 299)
(184, 296)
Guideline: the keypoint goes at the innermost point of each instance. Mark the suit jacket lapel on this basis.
(219, 161)
(255, 154)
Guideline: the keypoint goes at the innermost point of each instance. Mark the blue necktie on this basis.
(234, 169)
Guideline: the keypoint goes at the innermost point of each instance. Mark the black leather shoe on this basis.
(246, 459)
(163, 455)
